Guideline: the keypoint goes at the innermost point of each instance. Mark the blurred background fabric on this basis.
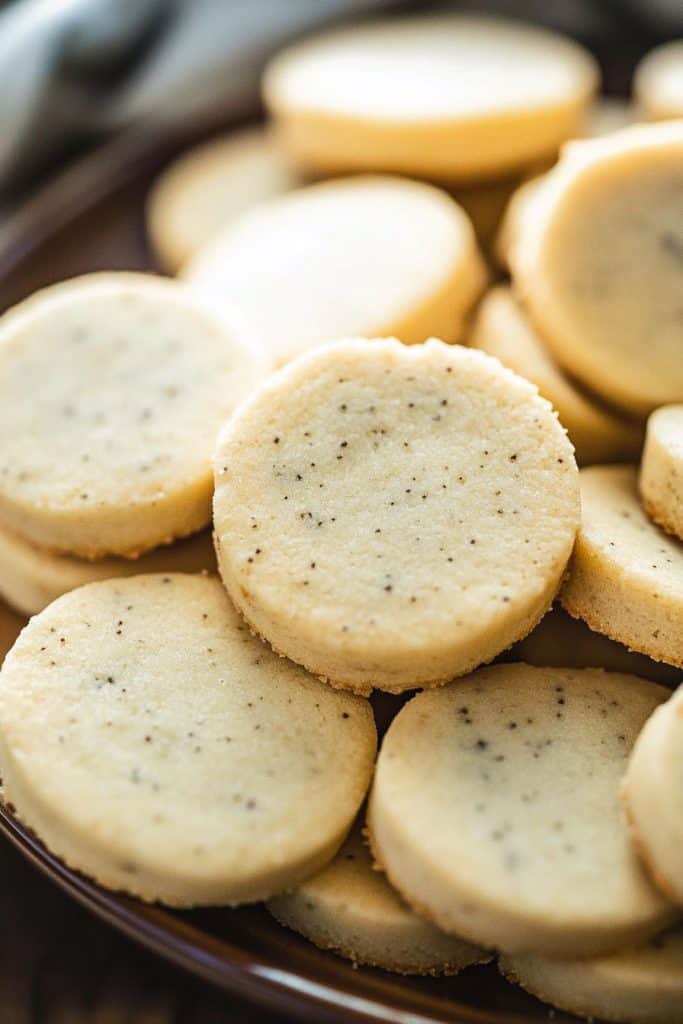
(75, 71)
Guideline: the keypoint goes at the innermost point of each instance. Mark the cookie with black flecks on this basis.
(495, 810)
(392, 516)
(152, 743)
(596, 256)
(350, 908)
(643, 985)
(661, 472)
(626, 574)
(652, 796)
(112, 389)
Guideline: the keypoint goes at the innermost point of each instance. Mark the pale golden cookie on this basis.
(359, 256)
(561, 640)
(153, 744)
(653, 796)
(636, 986)
(661, 471)
(350, 908)
(112, 390)
(205, 189)
(658, 82)
(31, 577)
(626, 575)
(495, 810)
(392, 516)
(502, 329)
(459, 97)
(598, 263)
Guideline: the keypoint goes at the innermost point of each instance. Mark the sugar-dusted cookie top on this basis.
(495, 809)
(391, 516)
(112, 389)
(597, 258)
(151, 742)
(364, 255)
(459, 97)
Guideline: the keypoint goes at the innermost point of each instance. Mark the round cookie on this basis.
(206, 188)
(601, 283)
(636, 986)
(10, 627)
(495, 810)
(652, 796)
(350, 908)
(502, 329)
(392, 516)
(112, 389)
(626, 575)
(559, 640)
(458, 97)
(360, 256)
(658, 82)
(151, 742)
(31, 577)
(661, 471)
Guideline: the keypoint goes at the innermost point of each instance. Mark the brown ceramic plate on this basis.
(92, 219)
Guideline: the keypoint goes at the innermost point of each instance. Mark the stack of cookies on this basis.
(387, 457)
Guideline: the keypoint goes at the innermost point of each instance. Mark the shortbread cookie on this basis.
(653, 796)
(599, 264)
(155, 745)
(626, 575)
(636, 986)
(392, 516)
(513, 226)
(560, 640)
(10, 627)
(360, 256)
(350, 908)
(658, 82)
(661, 472)
(112, 389)
(31, 577)
(208, 187)
(503, 330)
(495, 810)
(458, 97)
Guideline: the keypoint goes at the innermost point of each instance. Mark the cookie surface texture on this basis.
(391, 516)
(455, 97)
(112, 389)
(152, 743)
(495, 809)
